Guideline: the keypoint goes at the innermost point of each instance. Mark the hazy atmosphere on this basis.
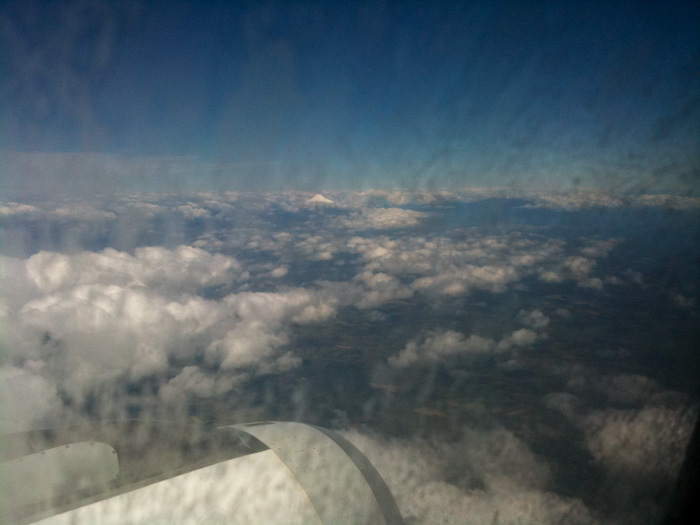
(464, 235)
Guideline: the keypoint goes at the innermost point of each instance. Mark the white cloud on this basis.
(100, 332)
(380, 219)
(279, 272)
(83, 212)
(637, 441)
(401, 197)
(634, 276)
(636, 444)
(596, 198)
(194, 380)
(563, 312)
(439, 345)
(674, 202)
(185, 268)
(433, 264)
(96, 320)
(493, 478)
(317, 247)
(534, 319)
(145, 209)
(519, 339)
(686, 303)
(460, 280)
(621, 390)
(245, 345)
(429, 264)
(599, 248)
(572, 200)
(630, 388)
(578, 267)
(549, 276)
(278, 307)
(314, 313)
(15, 208)
(564, 402)
(593, 282)
(443, 266)
(26, 400)
(80, 211)
(192, 211)
(94, 317)
(379, 288)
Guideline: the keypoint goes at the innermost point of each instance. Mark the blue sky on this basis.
(312, 95)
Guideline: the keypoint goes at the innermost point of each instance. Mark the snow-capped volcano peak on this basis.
(319, 199)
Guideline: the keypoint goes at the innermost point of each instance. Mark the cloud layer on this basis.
(460, 352)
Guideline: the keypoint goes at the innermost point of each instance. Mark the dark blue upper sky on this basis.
(436, 94)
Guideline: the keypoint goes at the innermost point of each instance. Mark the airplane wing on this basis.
(153, 472)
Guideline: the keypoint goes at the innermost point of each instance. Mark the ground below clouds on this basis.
(507, 358)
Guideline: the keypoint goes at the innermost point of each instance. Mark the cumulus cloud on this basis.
(637, 441)
(15, 208)
(144, 209)
(578, 268)
(549, 276)
(493, 478)
(279, 272)
(199, 382)
(440, 345)
(401, 197)
(101, 332)
(596, 198)
(460, 280)
(435, 264)
(586, 198)
(25, 399)
(380, 219)
(686, 303)
(621, 390)
(443, 266)
(674, 202)
(192, 211)
(593, 282)
(599, 248)
(634, 276)
(245, 345)
(379, 288)
(316, 247)
(83, 212)
(80, 322)
(93, 335)
(564, 402)
(640, 452)
(650, 441)
(202, 319)
(185, 268)
(519, 339)
(80, 211)
(534, 319)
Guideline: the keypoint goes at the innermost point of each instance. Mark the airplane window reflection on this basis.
(453, 244)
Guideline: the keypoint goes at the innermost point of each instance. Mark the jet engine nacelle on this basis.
(145, 472)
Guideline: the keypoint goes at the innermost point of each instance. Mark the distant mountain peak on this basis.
(320, 199)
